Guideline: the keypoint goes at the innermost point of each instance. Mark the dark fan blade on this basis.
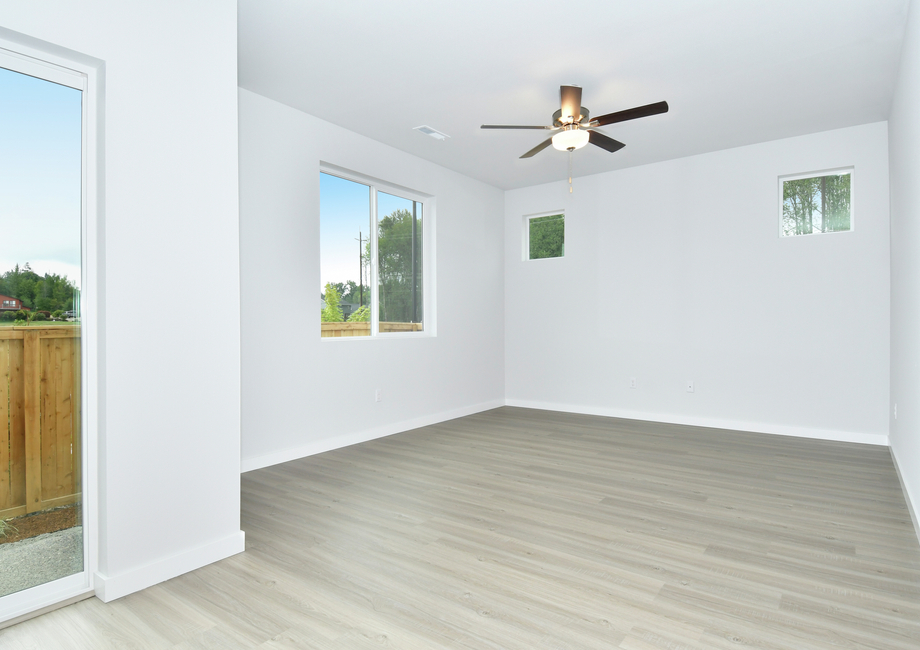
(540, 147)
(511, 126)
(604, 142)
(571, 103)
(630, 114)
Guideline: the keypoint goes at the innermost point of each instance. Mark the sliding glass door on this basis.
(42, 210)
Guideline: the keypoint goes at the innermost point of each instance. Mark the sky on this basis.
(40, 175)
(344, 216)
(345, 211)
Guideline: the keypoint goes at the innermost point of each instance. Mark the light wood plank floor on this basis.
(527, 529)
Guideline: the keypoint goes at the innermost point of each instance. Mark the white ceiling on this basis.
(734, 72)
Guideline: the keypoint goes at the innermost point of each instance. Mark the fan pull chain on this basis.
(570, 171)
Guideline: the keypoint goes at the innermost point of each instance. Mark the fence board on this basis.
(17, 423)
(50, 380)
(76, 409)
(6, 482)
(32, 390)
(48, 437)
(65, 415)
(59, 374)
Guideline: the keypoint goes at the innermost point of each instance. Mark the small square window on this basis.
(816, 204)
(544, 236)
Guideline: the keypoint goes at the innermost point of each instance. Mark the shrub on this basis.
(332, 313)
(39, 315)
(45, 313)
(7, 315)
(22, 315)
(361, 315)
(57, 313)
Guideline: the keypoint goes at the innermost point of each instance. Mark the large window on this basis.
(814, 204)
(372, 256)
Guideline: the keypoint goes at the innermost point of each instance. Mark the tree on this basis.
(352, 293)
(360, 315)
(399, 257)
(331, 313)
(49, 292)
(399, 272)
(547, 236)
(818, 204)
(26, 290)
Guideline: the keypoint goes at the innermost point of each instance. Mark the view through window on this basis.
(816, 204)
(371, 259)
(41, 209)
(545, 237)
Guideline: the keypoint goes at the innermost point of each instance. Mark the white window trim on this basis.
(56, 64)
(817, 174)
(429, 294)
(525, 237)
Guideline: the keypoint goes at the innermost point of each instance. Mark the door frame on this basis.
(60, 65)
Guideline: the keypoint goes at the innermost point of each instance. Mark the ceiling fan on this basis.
(576, 128)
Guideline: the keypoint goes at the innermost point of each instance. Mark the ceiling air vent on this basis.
(434, 133)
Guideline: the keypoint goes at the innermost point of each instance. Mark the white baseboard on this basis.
(910, 504)
(348, 439)
(713, 423)
(108, 588)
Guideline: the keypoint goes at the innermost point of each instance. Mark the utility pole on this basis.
(415, 318)
(360, 268)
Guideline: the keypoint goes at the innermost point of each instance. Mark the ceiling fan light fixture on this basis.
(570, 139)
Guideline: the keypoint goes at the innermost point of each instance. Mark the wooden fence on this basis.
(364, 329)
(39, 418)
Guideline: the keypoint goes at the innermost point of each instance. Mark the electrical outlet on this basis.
(633, 382)
(378, 395)
(689, 385)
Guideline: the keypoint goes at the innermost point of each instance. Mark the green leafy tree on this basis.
(26, 291)
(547, 237)
(331, 313)
(397, 286)
(360, 315)
(819, 204)
(48, 293)
(355, 293)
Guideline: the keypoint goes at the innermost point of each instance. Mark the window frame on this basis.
(527, 219)
(850, 169)
(427, 269)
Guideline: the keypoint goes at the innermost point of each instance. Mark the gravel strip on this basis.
(41, 559)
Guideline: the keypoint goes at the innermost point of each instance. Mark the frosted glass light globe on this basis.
(570, 139)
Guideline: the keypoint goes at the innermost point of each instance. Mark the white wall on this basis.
(675, 271)
(301, 394)
(904, 136)
(169, 418)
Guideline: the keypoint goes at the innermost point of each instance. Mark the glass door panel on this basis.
(41, 396)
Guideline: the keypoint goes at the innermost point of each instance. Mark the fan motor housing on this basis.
(585, 114)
